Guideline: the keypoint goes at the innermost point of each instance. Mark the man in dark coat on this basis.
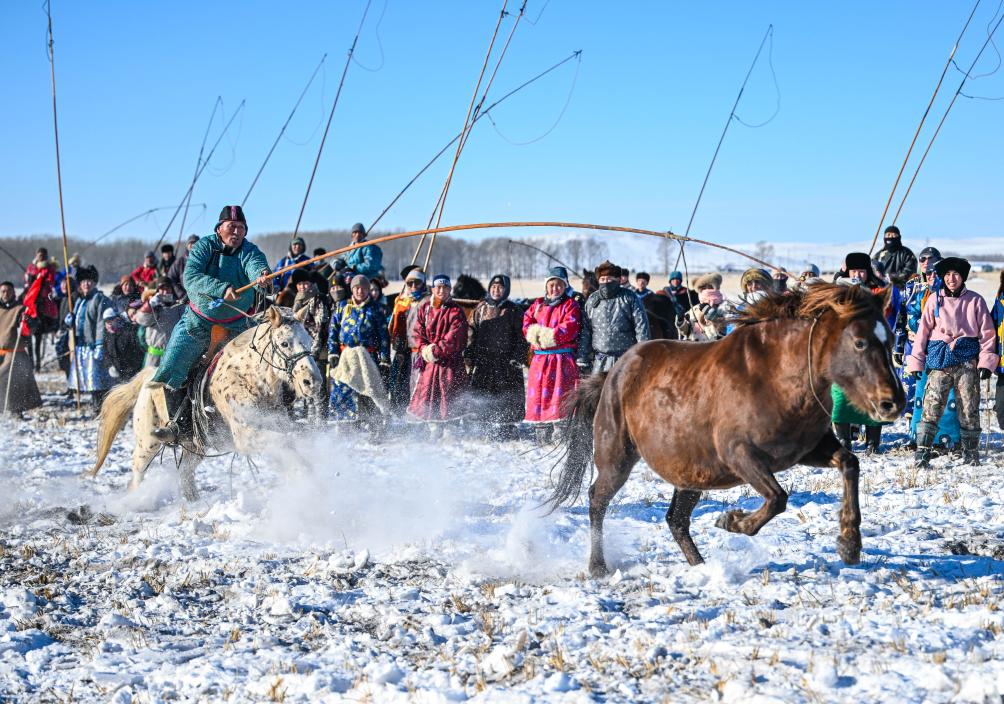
(616, 318)
(176, 273)
(497, 353)
(900, 263)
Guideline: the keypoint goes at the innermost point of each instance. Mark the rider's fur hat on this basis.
(86, 273)
(712, 279)
(857, 260)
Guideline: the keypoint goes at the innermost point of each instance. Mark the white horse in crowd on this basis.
(255, 373)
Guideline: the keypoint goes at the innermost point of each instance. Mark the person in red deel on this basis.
(551, 325)
(146, 272)
(441, 336)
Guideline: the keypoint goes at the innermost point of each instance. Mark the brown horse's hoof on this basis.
(597, 570)
(849, 550)
(729, 520)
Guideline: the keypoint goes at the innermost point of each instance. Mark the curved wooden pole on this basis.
(497, 225)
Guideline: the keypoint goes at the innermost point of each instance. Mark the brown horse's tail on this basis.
(578, 440)
(115, 410)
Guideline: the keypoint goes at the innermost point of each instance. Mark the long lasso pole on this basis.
(62, 213)
(718, 148)
(497, 225)
(937, 131)
(916, 134)
(331, 115)
(441, 202)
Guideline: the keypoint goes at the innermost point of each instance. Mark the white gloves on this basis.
(429, 354)
(545, 338)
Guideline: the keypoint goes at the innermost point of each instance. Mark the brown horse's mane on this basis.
(847, 302)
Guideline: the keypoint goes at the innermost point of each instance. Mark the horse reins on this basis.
(812, 382)
(289, 360)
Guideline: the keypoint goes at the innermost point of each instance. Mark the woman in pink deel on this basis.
(551, 325)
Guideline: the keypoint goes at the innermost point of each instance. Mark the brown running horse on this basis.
(713, 415)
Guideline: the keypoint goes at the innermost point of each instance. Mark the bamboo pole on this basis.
(497, 225)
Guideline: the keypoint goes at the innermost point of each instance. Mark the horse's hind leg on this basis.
(830, 453)
(615, 456)
(754, 471)
(678, 518)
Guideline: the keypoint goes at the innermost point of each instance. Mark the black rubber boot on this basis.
(171, 433)
(925, 438)
(843, 433)
(970, 441)
(873, 433)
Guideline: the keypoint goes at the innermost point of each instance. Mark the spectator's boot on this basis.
(873, 433)
(843, 433)
(970, 440)
(925, 438)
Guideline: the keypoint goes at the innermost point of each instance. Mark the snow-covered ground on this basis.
(418, 571)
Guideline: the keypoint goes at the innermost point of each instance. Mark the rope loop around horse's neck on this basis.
(812, 381)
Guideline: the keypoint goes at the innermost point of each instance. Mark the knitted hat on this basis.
(608, 268)
(441, 280)
(712, 279)
(298, 240)
(893, 230)
(109, 314)
(953, 264)
(857, 260)
(676, 275)
(557, 272)
(408, 269)
(755, 274)
(929, 252)
(359, 280)
(358, 227)
(415, 274)
(192, 239)
(150, 255)
(812, 270)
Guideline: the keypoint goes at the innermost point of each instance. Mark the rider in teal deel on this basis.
(218, 265)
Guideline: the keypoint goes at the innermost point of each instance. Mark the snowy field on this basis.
(416, 572)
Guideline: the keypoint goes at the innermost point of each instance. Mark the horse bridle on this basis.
(289, 360)
(812, 382)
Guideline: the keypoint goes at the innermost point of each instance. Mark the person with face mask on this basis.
(754, 285)
(956, 345)
(900, 263)
(707, 318)
(88, 365)
(158, 315)
(614, 319)
(497, 353)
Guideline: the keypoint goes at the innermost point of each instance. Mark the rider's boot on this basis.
(168, 402)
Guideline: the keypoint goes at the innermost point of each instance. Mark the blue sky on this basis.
(137, 82)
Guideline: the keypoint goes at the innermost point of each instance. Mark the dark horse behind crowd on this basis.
(759, 403)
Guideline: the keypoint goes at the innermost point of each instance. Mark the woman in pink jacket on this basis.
(956, 343)
(551, 325)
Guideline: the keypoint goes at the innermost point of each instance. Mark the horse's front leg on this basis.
(752, 466)
(830, 453)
